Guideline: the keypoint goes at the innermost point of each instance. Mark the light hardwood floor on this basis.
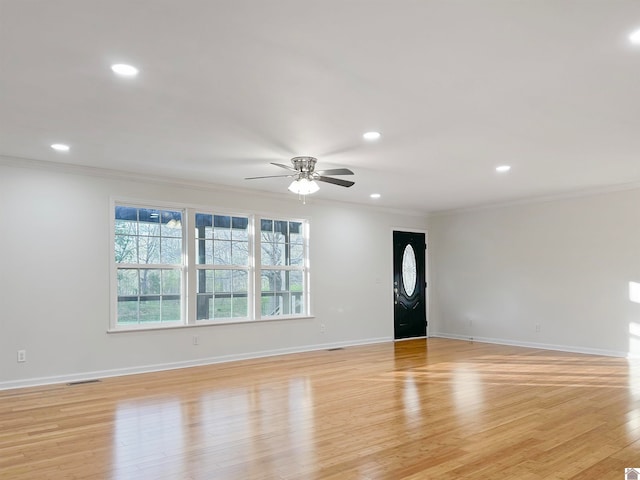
(420, 409)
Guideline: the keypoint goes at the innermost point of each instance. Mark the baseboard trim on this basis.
(541, 346)
(118, 372)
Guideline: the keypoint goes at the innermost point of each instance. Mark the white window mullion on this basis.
(256, 294)
(190, 272)
(306, 275)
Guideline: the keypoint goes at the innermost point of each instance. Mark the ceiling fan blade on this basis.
(284, 166)
(335, 171)
(270, 176)
(335, 181)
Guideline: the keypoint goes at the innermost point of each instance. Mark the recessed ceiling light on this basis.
(634, 37)
(375, 195)
(371, 135)
(124, 70)
(60, 147)
(503, 168)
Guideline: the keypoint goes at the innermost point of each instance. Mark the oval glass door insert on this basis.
(409, 270)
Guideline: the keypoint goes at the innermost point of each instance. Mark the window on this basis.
(283, 268)
(148, 257)
(222, 257)
(182, 266)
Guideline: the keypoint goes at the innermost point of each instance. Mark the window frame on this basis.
(304, 268)
(189, 267)
(198, 267)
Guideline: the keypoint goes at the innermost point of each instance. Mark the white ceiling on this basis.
(456, 87)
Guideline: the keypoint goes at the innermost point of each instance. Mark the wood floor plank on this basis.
(418, 409)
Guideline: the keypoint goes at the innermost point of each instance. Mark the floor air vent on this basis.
(334, 349)
(82, 382)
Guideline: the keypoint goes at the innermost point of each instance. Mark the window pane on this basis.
(128, 310)
(284, 303)
(222, 252)
(239, 281)
(273, 280)
(240, 307)
(204, 307)
(204, 253)
(204, 224)
(240, 227)
(170, 310)
(204, 220)
(273, 254)
(126, 213)
(274, 304)
(221, 221)
(222, 227)
(296, 303)
(171, 250)
(171, 224)
(282, 292)
(126, 227)
(222, 307)
(296, 232)
(149, 221)
(208, 252)
(171, 282)
(240, 253)
(205, 281)
(148, 250)
(266, 225)
(149, 282)
(127, 282)
(126, 249)
(268, 305)
(295, 281)
(296, 258)
(223, 281)
(280, 230)
(149, 309)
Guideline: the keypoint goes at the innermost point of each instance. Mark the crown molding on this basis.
(578, 193)
(74, 169)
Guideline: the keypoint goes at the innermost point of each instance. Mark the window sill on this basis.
(210, 323)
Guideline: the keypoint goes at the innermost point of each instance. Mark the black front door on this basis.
(410, 313)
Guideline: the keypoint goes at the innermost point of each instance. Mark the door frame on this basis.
(426, 278)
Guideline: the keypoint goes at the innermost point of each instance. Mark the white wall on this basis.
(564, 265)
(55, 267)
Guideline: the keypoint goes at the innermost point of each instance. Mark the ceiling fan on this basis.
(305, 175)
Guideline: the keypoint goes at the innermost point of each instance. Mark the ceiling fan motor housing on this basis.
(304, 165)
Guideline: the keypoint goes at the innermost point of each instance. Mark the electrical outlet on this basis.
(537, 328)
(195, 340)
(322, 328)
(22, 356)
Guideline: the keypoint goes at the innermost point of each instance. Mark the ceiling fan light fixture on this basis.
(304, 186)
